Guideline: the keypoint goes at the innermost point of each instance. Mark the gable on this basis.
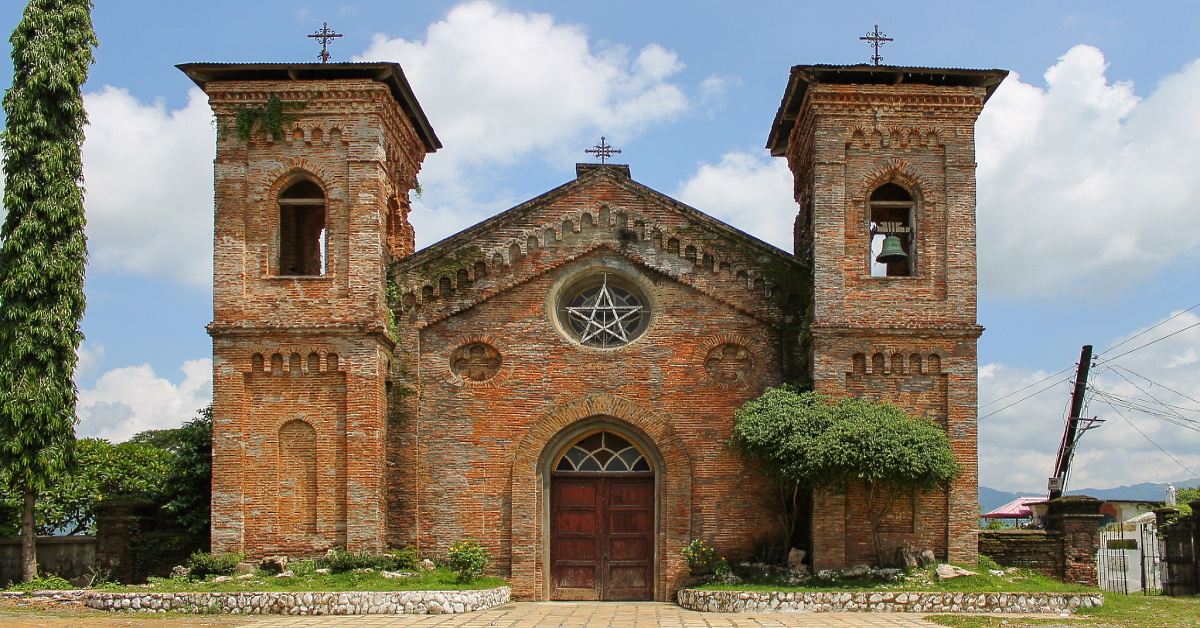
(602, 209)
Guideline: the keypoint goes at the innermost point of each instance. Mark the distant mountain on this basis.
(991, 499)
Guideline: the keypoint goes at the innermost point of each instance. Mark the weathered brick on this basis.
(416, 398)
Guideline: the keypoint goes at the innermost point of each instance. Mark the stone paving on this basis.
(600, 615)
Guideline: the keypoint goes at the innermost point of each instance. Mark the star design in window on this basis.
(605, 316)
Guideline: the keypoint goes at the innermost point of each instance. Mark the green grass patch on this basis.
(916, 580)
(1119, 611)
(439, 580)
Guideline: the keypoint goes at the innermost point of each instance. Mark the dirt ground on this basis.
(45, 613)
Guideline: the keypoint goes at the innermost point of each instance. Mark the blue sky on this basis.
(1086, 174)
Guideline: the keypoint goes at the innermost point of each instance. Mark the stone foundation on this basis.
(884, 602)
(304, 603)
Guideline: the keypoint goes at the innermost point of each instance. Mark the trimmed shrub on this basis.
(467, 559)
(204, 564)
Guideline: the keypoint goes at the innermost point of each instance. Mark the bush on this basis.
(40, 583)
(702, 558)
(986, 562)
(204, 564)
(467, 559)
(340, 560)
(406, 558)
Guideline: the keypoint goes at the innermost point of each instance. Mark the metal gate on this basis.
(1180, 558)
(1130, 560)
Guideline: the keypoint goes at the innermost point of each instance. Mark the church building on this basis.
(559, 381)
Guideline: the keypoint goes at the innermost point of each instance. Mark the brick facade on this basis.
(371, 395)
(911, 340)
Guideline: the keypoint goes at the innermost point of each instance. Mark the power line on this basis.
(1065, 379)
(1152, 327)
(1007, 395)
(1112, 399)
(1154, 383)
(1181, 465)
(1177, 331)
(1145, 392)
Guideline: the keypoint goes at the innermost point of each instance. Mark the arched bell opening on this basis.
(602, 509)
(891, 211)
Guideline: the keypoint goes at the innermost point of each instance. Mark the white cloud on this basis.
(149, 175)
(1085, 189)
(128, 400)
(91, 356)
(502, 88)
(752, 192)
(1017, 446)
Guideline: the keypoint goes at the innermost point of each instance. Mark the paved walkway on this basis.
(602, 615)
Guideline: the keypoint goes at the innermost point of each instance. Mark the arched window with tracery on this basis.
(893, 232)
(603, 452)
(302, 229)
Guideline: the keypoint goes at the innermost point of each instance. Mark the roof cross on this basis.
(602, 151)
(325, 36)
(877, 39)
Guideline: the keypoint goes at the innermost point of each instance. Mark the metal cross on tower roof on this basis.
(602, 151)
(877, 39)
(325, 36)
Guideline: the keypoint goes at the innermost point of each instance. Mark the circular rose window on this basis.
(603, 310)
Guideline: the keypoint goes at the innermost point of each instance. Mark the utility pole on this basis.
(1066, 451)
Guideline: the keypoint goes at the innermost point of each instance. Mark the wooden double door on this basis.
(602, 537)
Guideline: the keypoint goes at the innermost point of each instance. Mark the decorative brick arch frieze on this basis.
(531, 458)
(259, 361)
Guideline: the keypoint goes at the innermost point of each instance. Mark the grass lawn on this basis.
(1013, 581)
(1119, 611)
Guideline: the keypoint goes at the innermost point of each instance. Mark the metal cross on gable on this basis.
(877, 39)
(602, 151)
(324, 36)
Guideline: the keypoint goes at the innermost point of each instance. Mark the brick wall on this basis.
(470, 458)
(311, 350)
(1066, 549)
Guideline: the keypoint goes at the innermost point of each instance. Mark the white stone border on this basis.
(884, 602)
(304, 603)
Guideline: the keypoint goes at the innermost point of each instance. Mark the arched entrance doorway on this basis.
(602, 503)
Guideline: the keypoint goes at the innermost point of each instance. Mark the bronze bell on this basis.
(892, 251)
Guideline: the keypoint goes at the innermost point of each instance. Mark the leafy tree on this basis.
(1184, 497)
(803, 439)
(189, 477)
(42, 251)
(103, 471)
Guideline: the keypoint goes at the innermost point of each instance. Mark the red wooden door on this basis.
(602, 537)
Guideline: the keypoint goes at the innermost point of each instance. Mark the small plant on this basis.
(40, 583)
(702, 557)
(341, 560)
(267, 117)
(985, 562)
(406, 558)
(204, 564)
(467, 559)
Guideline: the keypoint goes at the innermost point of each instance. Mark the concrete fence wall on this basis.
(70, 557)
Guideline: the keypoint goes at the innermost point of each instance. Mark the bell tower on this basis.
(883, 160)
(313, 169)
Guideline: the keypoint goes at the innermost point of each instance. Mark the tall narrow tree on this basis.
(42, 250)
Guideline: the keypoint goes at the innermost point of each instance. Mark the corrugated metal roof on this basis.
(390, 74)
(804, 75)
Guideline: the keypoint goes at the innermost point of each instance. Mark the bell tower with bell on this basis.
(883, 160)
